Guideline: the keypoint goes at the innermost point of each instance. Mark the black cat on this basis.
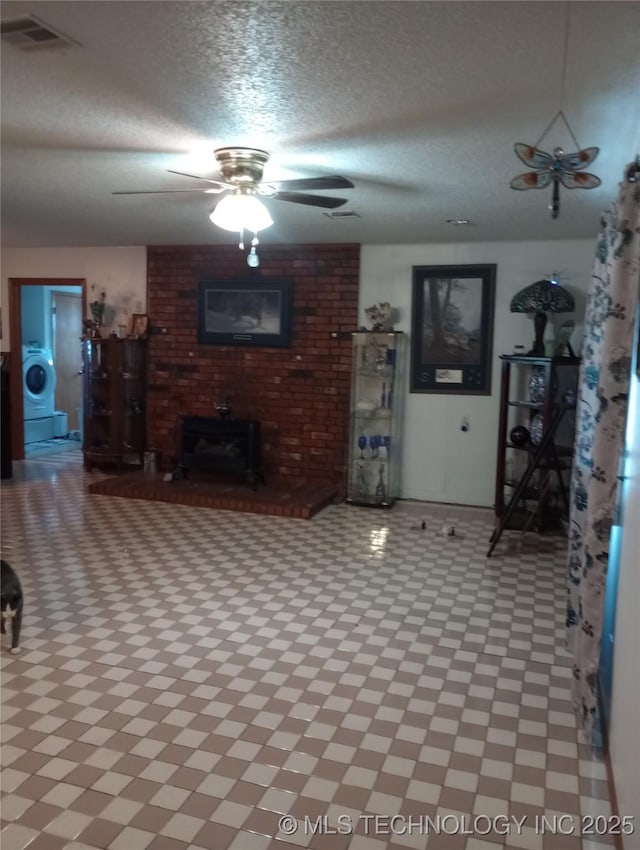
(11, 604)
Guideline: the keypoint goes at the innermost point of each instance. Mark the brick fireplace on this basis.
(300, 395)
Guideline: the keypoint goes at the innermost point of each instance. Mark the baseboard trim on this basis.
(606, 752)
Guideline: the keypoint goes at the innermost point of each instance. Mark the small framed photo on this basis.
(139, 325)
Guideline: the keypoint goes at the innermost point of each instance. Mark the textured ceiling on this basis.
(418, 103)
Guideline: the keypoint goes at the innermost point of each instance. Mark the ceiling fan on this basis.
(241, 171)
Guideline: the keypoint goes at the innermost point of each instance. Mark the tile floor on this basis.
(192, 678)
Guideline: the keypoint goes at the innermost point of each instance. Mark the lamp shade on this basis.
(239, 212)
(543, 296)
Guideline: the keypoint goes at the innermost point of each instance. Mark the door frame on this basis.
(15, 332)
(67, 392)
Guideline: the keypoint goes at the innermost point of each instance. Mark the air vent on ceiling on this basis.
(29, 33)
(342, 214)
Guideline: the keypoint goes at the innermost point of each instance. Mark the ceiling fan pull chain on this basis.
(253, 260)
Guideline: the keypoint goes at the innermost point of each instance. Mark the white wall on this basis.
(624, 736)
(121, 272)
(440, 462)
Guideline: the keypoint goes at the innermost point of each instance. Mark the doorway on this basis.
(51, 325)
(66, 317)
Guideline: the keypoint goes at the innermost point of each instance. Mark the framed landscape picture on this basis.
(245, 312)
(452, 329)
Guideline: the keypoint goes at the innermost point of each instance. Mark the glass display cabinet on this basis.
(376, 401)
(114, 388)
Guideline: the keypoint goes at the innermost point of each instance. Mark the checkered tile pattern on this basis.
(193, 679)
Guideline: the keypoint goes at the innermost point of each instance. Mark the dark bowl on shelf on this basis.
(520, 436)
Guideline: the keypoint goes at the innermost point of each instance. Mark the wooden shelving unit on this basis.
(553, 380)
(114, 400)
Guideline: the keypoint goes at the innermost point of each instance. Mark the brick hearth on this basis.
(301, 502)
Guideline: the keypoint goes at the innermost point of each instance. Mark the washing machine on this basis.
(39, 382)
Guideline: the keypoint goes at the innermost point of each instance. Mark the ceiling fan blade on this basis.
(164, 191)
(304, 183)
(310, 200)
(223, 186)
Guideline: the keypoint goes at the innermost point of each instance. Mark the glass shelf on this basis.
(375, 429)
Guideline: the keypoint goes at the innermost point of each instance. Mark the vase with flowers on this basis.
(97, 308)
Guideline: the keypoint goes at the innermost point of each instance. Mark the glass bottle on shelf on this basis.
(381, 493)
(361, 483)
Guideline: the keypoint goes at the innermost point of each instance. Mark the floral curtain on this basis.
(600, 425)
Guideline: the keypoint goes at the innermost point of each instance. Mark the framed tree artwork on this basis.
(452, 329)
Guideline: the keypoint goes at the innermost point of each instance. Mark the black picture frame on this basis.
(245, 312)
(454, 354)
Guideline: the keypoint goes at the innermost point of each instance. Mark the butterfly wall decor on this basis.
(555, 168)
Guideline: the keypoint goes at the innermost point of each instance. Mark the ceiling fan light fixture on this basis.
(241, 211)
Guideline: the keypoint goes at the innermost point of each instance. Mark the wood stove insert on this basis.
(224, 446)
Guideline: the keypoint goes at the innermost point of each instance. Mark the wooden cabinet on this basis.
(533, 390)
(376, 406)
(114, 400)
